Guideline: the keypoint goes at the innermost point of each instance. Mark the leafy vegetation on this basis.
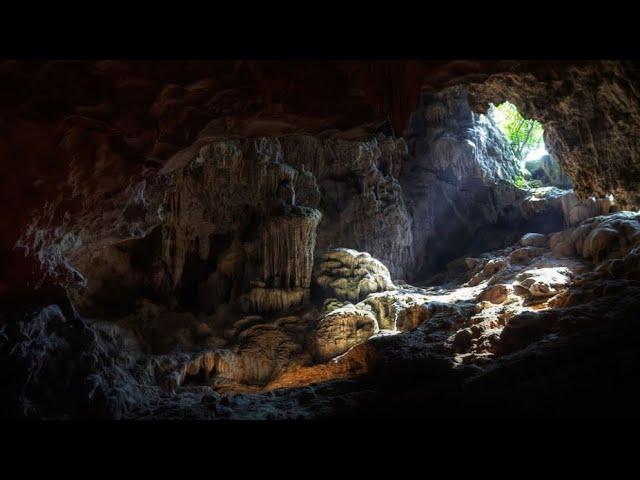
(525, 184)
(523, 135)
(521, 182)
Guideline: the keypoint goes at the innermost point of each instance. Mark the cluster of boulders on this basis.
(600, 237)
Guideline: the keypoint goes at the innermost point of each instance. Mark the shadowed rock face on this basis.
(226, 221)
(205, 234)
(460, 183)
(138, 114)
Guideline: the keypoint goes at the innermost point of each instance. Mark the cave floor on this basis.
(524, 333)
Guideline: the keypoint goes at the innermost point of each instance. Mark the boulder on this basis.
(490, 268)
(351, 275)
(534, 240)
(544, 282)
(340, 330)
(496, 294)
(525, 254)
(561, 244)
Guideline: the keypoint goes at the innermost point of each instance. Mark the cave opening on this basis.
(526, 136)
(526, 142)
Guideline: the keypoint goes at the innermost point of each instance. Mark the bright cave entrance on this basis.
(525, 138)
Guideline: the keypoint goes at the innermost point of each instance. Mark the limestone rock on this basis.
(544, 282)
(397, 310)
(489, 269)
(548, 171)
(265, 351)
(561, 243)
(351, 275)
(497, 293)
(460, 180)
(288, 244)
(357, 218)
(544, 202)
(576, 210)
(265, 300)
(331, 304)
(525, 254)
(341, 329)
(53, 366)
(607, 236)
(534, 240)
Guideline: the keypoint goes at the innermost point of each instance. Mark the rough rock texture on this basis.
(534, 240)
(483, 327)
(51, 363)
(347, 274)
(590, 124)
(221, 214)
(341, 329)
(461, 182)
(547, 170)
(608, 236)
(545, 202)
(184, 206)
(139, 114)
(576, 210)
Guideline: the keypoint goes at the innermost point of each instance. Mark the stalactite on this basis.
(288, 242)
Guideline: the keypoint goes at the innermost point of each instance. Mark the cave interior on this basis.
(268, 240)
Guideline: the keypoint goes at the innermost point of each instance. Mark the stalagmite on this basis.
(341, 329)
(352, 275)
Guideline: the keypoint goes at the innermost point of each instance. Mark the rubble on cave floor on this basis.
(489, 312)
(493, 307)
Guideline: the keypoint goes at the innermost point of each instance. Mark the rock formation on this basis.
(351, 275)
(547, 170)
(593, 148)
(231, 240)
(341, 329)
(461, 182)
(576, 210)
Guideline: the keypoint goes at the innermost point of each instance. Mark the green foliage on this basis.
(525, 184)
(523, 135)
(521, 182)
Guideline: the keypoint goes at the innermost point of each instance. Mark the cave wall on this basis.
(591, 116)
(70, 127)
(229, 222)
(460, 178)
